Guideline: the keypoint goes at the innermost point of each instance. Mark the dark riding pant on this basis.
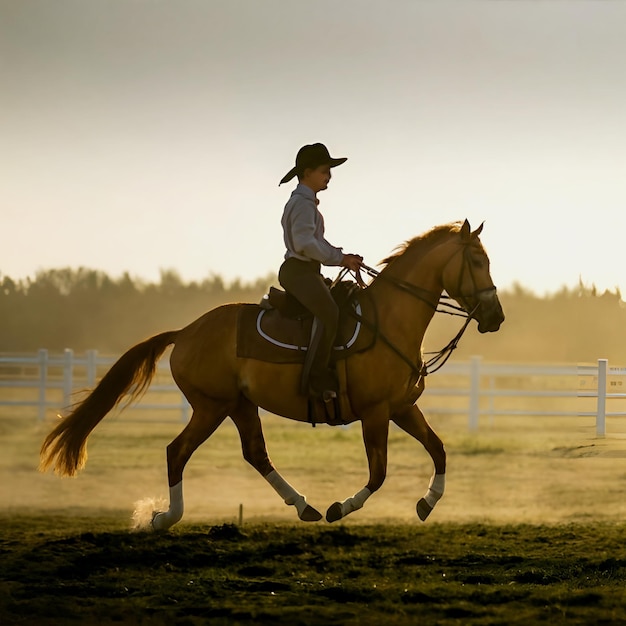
(303, 280)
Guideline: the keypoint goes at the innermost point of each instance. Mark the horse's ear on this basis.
(478, 231)
(465, 231)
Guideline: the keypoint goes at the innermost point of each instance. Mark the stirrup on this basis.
(328, 395)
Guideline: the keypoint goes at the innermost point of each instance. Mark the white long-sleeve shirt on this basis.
(303, 229)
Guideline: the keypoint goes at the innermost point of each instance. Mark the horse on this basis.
(380, 384)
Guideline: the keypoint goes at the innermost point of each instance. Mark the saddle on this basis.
(343, 293)
(278, 329)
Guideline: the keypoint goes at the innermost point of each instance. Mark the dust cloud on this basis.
(515, 470)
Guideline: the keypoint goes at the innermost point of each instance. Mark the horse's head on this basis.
(467, 280)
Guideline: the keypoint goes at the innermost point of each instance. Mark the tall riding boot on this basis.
(318, 379)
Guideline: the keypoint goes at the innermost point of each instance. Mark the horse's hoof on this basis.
(310, 514)
(423, 509)
(155, 523)
(334, 512)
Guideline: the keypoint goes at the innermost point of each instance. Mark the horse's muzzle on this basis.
(489, 313)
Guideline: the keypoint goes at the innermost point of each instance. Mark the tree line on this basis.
(86, 309)
(573, 325)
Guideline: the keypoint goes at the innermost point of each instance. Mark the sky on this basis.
(144, 136)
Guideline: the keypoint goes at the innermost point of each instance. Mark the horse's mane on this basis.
(424, 242)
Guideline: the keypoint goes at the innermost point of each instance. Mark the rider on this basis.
(307, 250)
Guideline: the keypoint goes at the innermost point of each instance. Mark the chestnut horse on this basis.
(380, 384)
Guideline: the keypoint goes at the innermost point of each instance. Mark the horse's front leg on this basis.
(375, 425)
(412, 421)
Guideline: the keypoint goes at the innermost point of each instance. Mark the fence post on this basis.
(491, 402)
(68, 366)
(474, 404)
(601, 410)
(43, 377)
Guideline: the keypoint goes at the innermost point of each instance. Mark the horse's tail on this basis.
(65, 448)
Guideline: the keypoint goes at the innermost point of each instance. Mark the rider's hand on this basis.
(352, 261)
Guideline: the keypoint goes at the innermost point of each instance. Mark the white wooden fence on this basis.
(53, 379)
(488, 383)
(44, 381)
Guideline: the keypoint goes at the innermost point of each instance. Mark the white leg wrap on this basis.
(435, 489)
(286, 491)
(162, 521)
(355, 502)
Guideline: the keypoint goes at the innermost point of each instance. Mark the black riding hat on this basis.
(312, 155)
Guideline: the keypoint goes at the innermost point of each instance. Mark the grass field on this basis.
(85, 570)
(531, 529)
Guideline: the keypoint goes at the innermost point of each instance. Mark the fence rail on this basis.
(480, 387)
(66, 373)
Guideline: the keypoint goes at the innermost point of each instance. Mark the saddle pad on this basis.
(266, 335)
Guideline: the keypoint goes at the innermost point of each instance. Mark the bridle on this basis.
(439, 303)
(460, 297)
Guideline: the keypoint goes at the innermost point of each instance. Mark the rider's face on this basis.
(317, 179)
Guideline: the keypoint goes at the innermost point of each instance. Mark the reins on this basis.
(443, 304)
(419, 293)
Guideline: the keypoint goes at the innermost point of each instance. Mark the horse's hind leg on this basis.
(246, 418)
(207, 416)
(412, 421)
